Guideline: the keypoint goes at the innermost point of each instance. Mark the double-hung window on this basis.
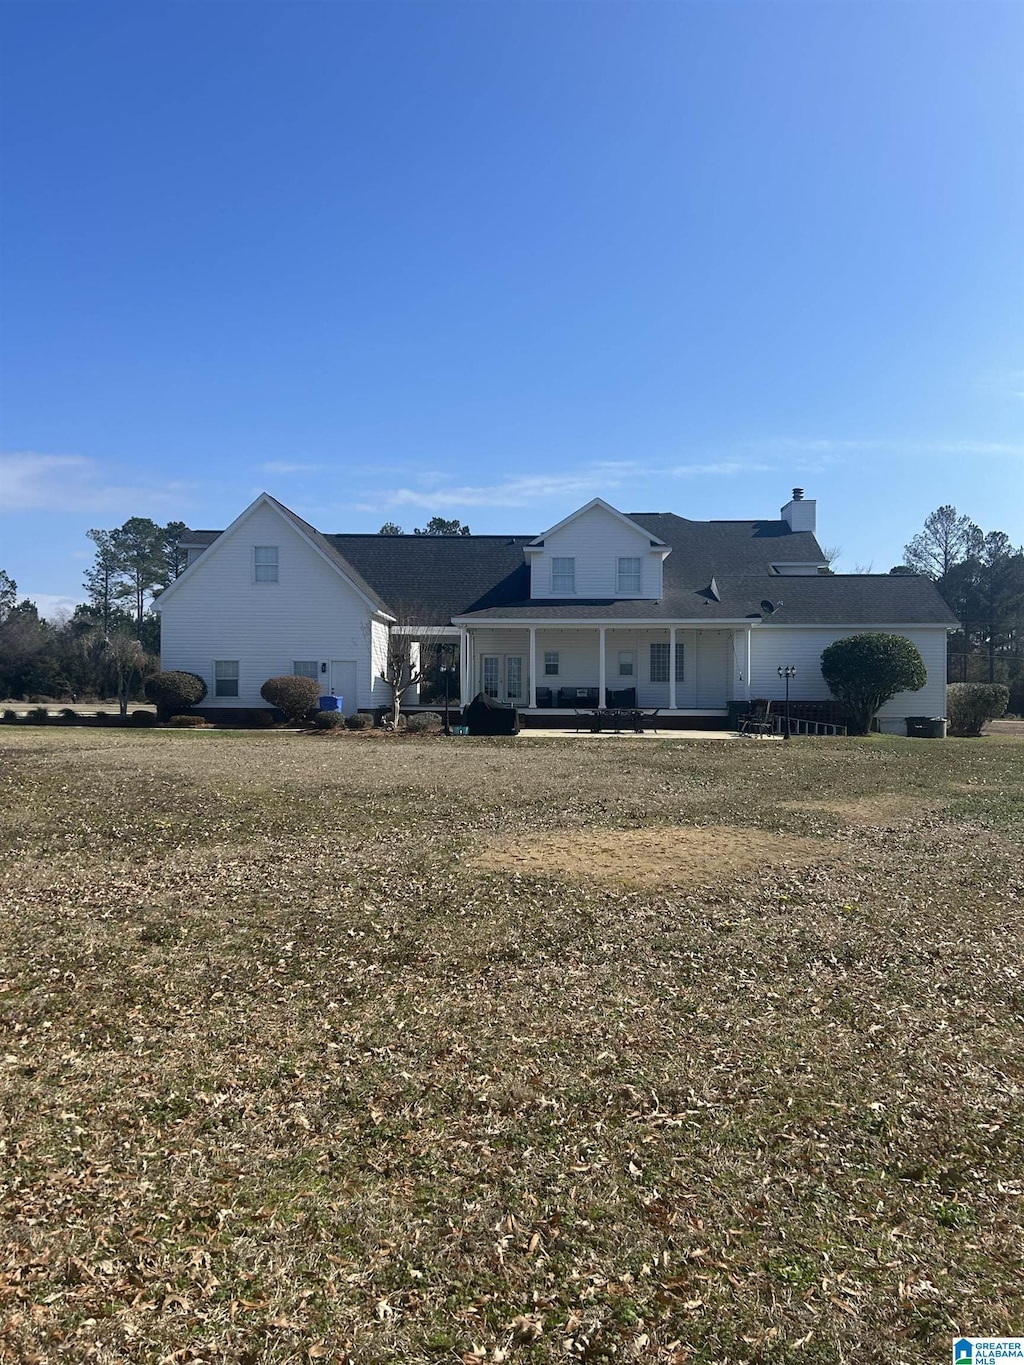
(625, 663)
(660, 656)
(306, 668)
(265, 563)
(563, 577)
(225, 674)
(551, 663)
(659, 661)
(627, 576)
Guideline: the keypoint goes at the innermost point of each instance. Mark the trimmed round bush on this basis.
(188, 723)
(259, 719)
(970, 705)
(360, 720)
(328, 720)
(142, 718)
(39, 715)
(863, 672)
(423, 723)
(174, 693)
(296, 697)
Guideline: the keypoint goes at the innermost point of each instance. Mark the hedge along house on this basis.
(646, 609)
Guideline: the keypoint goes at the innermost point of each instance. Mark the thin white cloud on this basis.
(898, 446)
(526, 490)
(719, 467)
(30, 481)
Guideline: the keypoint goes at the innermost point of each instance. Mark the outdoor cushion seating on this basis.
(577, 696)
(622, 696)
(545, 697)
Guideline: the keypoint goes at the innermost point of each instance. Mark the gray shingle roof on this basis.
(835, 599)
(426, 580)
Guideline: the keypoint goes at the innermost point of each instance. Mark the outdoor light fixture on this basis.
(788, 672)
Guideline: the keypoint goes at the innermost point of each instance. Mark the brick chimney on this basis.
(800, 512)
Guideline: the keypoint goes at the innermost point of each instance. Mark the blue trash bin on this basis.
(331, 703)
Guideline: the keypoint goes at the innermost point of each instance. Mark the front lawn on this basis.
(531, 1050)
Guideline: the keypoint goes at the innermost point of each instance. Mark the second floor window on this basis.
(563, 577)
(265, 563)
(627, 576)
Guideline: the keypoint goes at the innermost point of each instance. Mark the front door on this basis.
(343, 684)
(503, 677)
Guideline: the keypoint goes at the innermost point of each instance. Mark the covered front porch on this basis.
(559, 669)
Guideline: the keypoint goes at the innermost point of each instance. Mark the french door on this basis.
(503, 677)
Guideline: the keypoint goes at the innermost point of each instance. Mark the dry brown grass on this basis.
(673, 856)
(286, 1076)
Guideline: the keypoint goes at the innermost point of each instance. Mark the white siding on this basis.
(772, 646)
(380, 692)
(219, 612)
(596, 540)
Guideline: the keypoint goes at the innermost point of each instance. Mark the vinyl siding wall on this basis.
(595, 541)
(219, 612)
(782, 645)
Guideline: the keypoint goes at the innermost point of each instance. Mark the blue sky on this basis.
(491, 260)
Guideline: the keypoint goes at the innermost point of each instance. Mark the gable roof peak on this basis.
(605, 506)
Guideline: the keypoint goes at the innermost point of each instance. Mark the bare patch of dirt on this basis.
(675, 855)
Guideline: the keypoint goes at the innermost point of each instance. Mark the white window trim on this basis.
(621, 591)
(556, 656)
(629, 654)
(563, 559)
(662, 646)
(218, 679)
(256, 565)
(310, 663)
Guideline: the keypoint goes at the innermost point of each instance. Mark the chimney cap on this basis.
(798, 495)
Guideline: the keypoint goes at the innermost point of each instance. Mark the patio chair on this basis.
(545, 697)
(758, 720)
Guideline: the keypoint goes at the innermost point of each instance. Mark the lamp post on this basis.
(788, 672)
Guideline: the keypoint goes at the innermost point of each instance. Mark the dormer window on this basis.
(265, 563)
(563, 577)
(627, 576)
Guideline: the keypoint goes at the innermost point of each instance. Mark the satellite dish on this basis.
(767, 607)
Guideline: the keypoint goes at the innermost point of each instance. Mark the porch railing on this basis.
(799, 726)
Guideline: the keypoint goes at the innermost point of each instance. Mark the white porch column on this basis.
(465, 695)
(602, 699)
(746, 674)
(533, 668)
(671, 668)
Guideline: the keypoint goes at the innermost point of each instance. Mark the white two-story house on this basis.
(647, 609)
